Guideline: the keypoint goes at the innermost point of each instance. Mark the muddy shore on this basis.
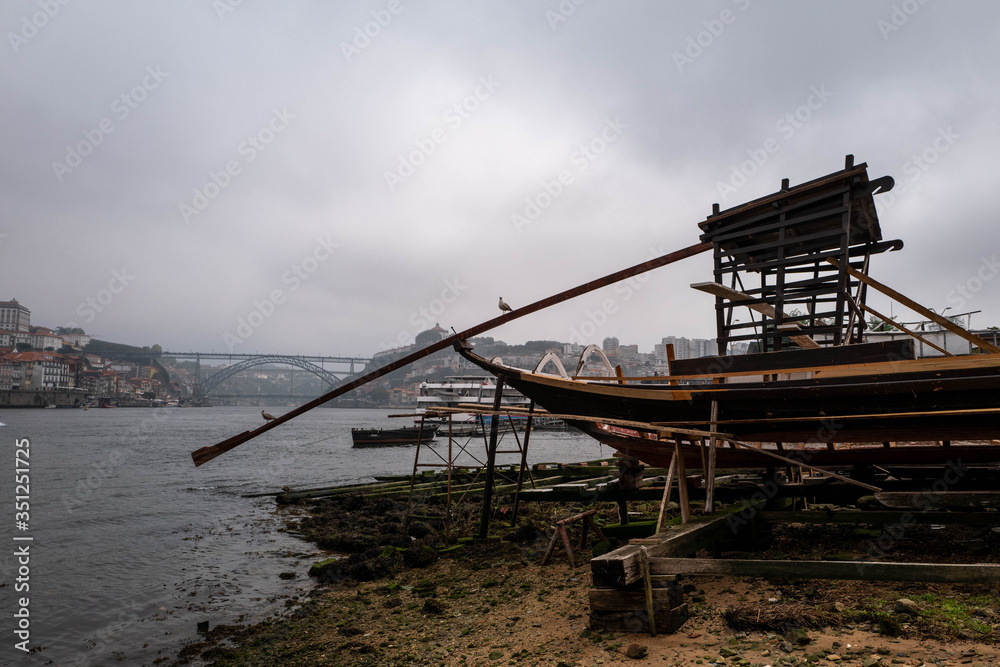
(419, 596)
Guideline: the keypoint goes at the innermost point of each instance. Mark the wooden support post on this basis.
(524, 463)
(682, 489)
(491, 457)
(666, 493)
(710, 472)
(648, 585)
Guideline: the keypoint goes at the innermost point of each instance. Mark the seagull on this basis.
(504, 306)
(267, 415)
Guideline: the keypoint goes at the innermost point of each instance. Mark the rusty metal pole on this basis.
(491, 457)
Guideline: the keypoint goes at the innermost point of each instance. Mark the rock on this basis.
(728, 652)
(319, 568)
(637, 651)
(798, 636)
(882, 650)
(984, 612)
(420, 556)
(838, 607)
(833, 657)
(786, 647)
(809, 591)
(871, 661)
(287, 575)
(906, 606)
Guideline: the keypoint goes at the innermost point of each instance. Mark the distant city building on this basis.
(628, 352)
(14, 316)
(572, 349)
(610, 344)
(43, 338)
(687, 348)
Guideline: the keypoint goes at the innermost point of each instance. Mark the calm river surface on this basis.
(133, 546)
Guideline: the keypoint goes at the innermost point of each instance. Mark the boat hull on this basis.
(906, 401)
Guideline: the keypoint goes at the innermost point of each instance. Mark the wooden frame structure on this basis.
(775, 261)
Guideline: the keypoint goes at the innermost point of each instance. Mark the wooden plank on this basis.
(788, 361)
(950, 573)
(633, 618)
(913, 305)
(880, 517)
(720, 290)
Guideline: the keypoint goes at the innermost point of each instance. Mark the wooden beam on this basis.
(621, 567)
(948, 573)
(923, 340)
(913, 305)
(800, 464)
(845, 370)
(720, 290)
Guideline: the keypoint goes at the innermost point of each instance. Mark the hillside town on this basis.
(62, 364)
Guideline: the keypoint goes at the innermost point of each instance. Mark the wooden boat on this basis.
(381, 437)
(815, 382)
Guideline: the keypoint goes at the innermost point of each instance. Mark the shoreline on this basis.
(489, 602)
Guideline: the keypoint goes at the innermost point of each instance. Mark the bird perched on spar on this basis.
(267, 415)
(504, 307)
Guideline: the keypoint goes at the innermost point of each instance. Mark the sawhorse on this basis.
(588, 522)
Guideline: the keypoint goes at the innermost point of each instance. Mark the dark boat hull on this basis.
(371, 437)
(915, 400)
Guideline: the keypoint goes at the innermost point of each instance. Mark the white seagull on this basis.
(504, 306)
(267, 415)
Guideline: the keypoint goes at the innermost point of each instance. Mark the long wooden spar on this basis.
(206, 454)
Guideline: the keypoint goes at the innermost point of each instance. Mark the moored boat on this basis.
(379, 437)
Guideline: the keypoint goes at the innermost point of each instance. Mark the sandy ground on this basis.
(492, 604)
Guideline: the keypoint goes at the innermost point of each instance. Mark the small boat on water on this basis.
(381, 437)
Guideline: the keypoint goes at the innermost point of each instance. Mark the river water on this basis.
(131, 545)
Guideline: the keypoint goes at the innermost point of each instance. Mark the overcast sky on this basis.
(329, 178)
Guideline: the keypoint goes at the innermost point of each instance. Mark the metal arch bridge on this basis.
(246, 361)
